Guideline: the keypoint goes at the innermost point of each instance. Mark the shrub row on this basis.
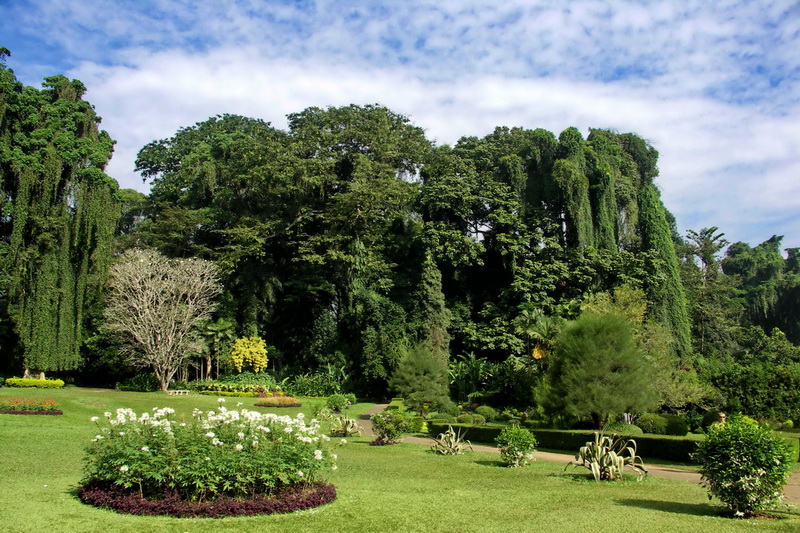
(278, 401)
(670, 448)
(229, 394)
(35, 383)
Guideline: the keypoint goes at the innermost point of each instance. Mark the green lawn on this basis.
(401, 488)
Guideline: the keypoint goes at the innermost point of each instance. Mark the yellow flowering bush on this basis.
(249, 352)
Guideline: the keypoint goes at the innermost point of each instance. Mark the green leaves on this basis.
(606, 457)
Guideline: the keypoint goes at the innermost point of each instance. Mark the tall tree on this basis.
(158, 306)
(59, 214)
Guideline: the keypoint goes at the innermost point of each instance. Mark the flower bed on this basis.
(279, 401)
(214, 463)
(28, 406)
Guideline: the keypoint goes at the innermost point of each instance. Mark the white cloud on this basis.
(715, 86)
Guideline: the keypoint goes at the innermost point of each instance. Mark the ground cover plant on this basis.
(379, 489)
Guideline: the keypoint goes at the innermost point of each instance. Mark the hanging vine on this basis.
(59, 212)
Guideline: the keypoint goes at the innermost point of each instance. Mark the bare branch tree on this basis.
(156, 305)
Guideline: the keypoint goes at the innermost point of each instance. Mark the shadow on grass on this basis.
(696, 509)
(492, 464)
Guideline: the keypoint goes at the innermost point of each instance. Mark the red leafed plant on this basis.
(29, 406)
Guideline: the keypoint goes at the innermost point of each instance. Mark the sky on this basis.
(713, 85)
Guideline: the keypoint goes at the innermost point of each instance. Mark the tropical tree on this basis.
(59, 212)
(157, 306)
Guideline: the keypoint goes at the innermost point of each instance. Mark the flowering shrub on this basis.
(744, 465)
(516, 446)
(249, 352)
(217, 454)
(389, 427)
(27, 405)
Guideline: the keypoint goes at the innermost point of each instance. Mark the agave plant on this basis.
(341, 426)
(450, 443)
(607, 456)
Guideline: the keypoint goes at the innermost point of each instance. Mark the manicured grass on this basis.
(401, 488)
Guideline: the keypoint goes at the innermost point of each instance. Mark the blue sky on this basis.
(715, 86)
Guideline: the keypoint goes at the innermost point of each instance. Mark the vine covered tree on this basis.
(59, 213)
(157, 306)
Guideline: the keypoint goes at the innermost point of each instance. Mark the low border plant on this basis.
(278, 401)
(35, 383)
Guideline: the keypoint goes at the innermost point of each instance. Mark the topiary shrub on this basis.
(621, 428)
(338, 402)
(652, 423)
(466, 418)
(516, 446)
(478, 420)
(676, 425)
(744, 465)
(488, 413)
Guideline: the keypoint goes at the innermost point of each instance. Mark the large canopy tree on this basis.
(58, 214)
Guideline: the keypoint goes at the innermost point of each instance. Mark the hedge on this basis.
(35, 383)
(229, 394)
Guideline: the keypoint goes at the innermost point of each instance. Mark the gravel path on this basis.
(791, 491)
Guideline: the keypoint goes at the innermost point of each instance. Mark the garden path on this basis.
(791, 491)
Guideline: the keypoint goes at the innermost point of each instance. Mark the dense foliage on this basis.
(348, 242)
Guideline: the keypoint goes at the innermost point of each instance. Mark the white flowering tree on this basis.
(157, 305)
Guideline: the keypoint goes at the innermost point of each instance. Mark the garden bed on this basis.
(7, 412)
(285, 500)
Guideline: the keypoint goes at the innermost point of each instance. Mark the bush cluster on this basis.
(35, 383)
(744, 465)
(652, 423)
(622, 428)
(224, 453)
(488, 413)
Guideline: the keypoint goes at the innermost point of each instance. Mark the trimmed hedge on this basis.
(35, 383)
(397, 404)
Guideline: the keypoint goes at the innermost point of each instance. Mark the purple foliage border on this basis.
(4, 412)
(287, 500)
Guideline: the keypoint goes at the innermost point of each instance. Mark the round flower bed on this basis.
(220, 463)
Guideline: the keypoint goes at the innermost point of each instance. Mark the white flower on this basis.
(121, 433)
(334, 467)
(95, 419)
(318, 455)
(107, 414)
(124, 468)
(210, 435)
(299, 473)
(240, 435)
(334, 456)
(239, 447)
(221, 400)
(208, 458)
(97, 437)
(344, 441)
(239, 404)
(287, 429)
(216, 442)
(145, 449)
